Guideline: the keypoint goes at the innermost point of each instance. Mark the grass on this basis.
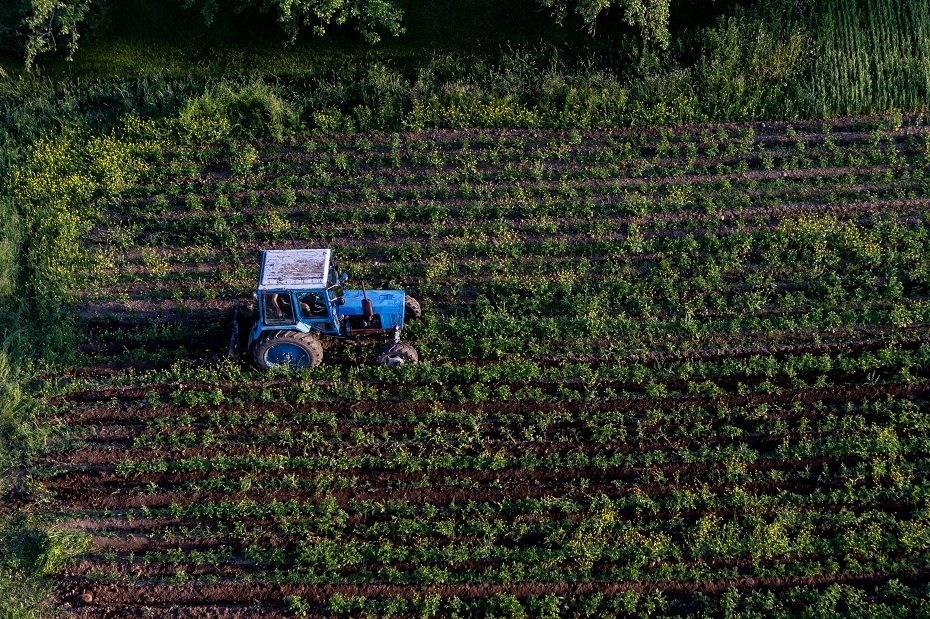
(29, 551)
(874, 56)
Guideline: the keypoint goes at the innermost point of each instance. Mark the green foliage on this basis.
(55, 187)
(9, 247)
(756, 63)
(650, 17)
(243, 160)
(754, 68)
(20, 435)
(369, 17)
(29, 551)
(462, 109)
(50, 19)
(781, 59)
(228, 110)
(871, 55)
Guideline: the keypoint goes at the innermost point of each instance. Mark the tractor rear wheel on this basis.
(291, 349)
(397, 355)
(412, 309)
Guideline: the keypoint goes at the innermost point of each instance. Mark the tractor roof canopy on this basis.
(293, 269)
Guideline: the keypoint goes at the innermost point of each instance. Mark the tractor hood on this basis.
(388, 303)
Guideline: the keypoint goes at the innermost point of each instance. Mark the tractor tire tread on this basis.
(310, 342)
(400, 349)
(412, 309)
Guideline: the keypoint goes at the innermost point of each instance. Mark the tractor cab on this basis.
(301, 300)
(299, 287)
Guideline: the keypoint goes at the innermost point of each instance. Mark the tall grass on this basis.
(26, 547)
(873, 56)
(19, 434)
(30, 339)
(9, 247)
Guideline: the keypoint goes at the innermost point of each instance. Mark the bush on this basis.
(753, 69)
(250, 111)
(385, 98)
(243, 159)
(462, 108)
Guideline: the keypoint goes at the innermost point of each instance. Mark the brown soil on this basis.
(238, 592)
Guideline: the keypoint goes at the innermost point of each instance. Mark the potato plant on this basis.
(664, 372)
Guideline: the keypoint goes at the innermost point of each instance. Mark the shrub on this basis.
(753, 69)
(253, 110)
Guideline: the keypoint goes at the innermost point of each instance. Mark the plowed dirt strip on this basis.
(175, 611)
(69, 485)
(124, 570)
(702, 133)
(771, 343)
(576, 231)
(427, 179)
(395, 415)
(236, 535)
(522, 144)
(839, 393)
(463, 211)
(104, 595)
(435, 489)
(133, 534)
(106, 452)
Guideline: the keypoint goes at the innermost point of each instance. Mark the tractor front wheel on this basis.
(291, 349)
(397, 355)
(412, 309)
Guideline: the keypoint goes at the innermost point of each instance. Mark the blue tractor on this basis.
(302, 309)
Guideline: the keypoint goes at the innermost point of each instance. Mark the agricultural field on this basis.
(664, 372)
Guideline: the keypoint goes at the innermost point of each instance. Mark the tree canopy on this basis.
(50, 23)
(370, 17)
(650, 17)
(55, 24)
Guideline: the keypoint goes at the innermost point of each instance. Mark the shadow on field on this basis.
(147, 339)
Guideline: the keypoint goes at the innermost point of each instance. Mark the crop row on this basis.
(328, 160)
(666, 372)
(579, 197)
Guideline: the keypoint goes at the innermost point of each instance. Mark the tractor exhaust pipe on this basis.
(367, 309)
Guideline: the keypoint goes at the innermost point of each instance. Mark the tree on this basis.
(368, 16)
(649, 16)
(49, 20)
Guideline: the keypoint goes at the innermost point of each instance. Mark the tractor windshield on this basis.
(312, 305)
